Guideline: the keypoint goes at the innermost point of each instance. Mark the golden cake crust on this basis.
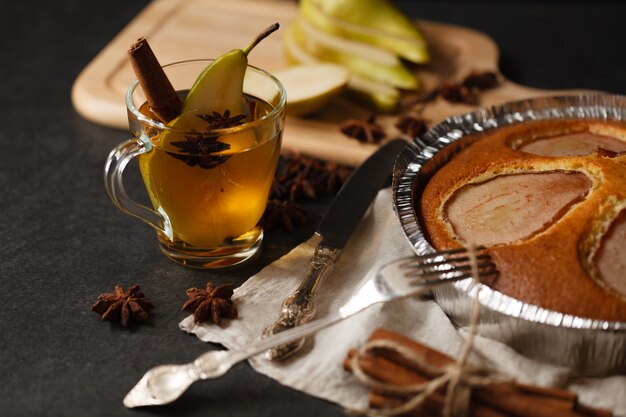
(553, 268)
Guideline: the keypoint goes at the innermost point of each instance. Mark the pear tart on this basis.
(549, 199)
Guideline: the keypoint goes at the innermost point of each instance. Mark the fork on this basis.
(397, 279)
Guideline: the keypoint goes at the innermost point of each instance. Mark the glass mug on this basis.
(209, 188)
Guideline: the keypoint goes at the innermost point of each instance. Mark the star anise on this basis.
(412, 124)
(301, 176)
(298, 178)
(279, 190)
(465, 91)
(125, 306)
(363, 130)
(302, 186)
(199, 149)
(222, 121)
(212, 303)
(284, 213)
(334, 175)
(457, 93)
(481, 80)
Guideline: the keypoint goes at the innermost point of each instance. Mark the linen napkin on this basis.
(317, 369)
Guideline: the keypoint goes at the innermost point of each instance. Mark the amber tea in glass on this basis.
(208, 187)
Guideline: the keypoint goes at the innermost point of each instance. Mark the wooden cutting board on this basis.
(187, 29)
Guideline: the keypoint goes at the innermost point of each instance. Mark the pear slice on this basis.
(514, 207)
(360, 58)
(220, 85)
(376, 22)
(218, 88)
(310, 87)
(381, 96)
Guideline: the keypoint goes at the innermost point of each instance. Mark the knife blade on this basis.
(334, 230)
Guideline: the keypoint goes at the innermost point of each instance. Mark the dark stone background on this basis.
(62, 242)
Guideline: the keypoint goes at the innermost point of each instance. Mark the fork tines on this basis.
(454, 265)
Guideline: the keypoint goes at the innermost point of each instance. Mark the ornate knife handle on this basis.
(299, 307)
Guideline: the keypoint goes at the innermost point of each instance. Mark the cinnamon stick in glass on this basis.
(161, 96)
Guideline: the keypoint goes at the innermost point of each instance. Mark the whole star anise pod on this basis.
(298, 178)
(412, 124)
(199, 149)
(222, 121)
(333, 176)
(284, 213)
(457, 93)
(301, 186)
(279, 190)
(212, 303)
(125, 306)
(366, 131)
(481, 80)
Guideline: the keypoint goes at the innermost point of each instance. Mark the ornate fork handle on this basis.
(299, 307)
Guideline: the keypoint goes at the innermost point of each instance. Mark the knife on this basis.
(341, 218)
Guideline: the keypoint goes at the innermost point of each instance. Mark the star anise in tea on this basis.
(286, 214)
(222, 121)
(213, 303)
(367, 131)
(123, 306)
(200, 149)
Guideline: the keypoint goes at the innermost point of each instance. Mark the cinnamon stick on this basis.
(592, 412)
(510, 399)
(385, 370)
(379, 401)
(161, 96)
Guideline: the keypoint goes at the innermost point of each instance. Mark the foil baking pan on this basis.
(588, 347)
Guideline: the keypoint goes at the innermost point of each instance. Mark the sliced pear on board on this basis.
(373, 21)
(381, 96)
(360, 58)
(310, 87)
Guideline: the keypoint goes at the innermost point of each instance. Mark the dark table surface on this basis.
(62, 242)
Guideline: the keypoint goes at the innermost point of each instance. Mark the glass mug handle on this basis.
(113, 182)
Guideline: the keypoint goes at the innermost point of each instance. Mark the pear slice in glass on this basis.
(218, 88)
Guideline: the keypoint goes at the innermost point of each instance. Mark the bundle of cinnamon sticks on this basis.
(498, 399)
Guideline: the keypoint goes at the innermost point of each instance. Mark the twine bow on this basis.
(459, 377)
